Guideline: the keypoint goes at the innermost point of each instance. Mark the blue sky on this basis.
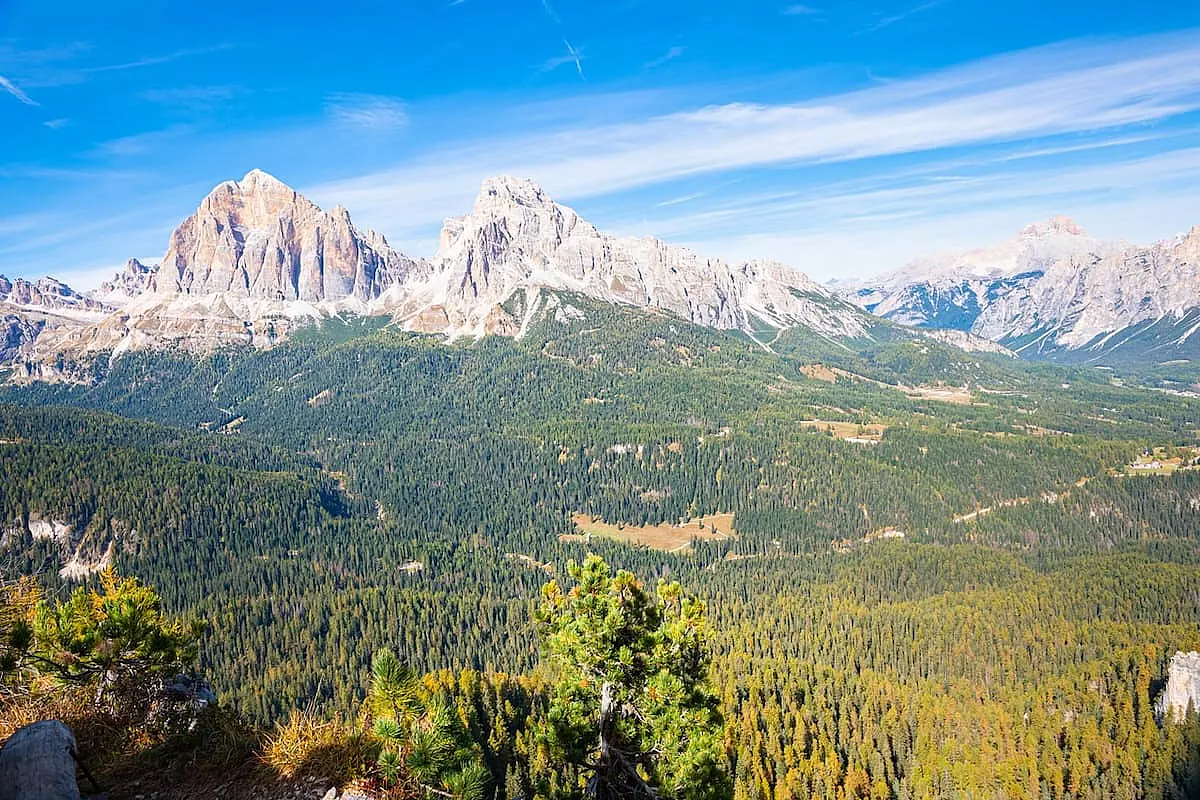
(841, 137)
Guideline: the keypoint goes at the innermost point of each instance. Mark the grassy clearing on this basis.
(849, 431)
(663, 536)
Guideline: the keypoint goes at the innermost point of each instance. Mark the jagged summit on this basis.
(1060, 224)
(259, 238)
(1050, 289)
(517, 239)
(46, 293)
(508, 190)
(257, 179)
(257, 258)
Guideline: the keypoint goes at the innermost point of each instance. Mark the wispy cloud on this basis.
(1029, 96)
(891, 19)
(671, 54)
(150, 61)
(799, 10)
(674, 201)
(193, 97)
(140, 143)
(66, 65)
(572, 56)
(550, 12)
(16, 92)
(55, 124)
(368, 111)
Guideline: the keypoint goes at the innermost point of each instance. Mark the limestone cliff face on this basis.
(134, 280)
(1183, 688)
(517, 239)
(17, 333)
(258, 238)
(255, 261)
(953, 290)
(1087, 295)
(46, 294)
(1052, 288)
(31, 310)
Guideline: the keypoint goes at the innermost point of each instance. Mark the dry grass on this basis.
(309, 745)
(664, 536)
(819, 372)
(125, 756)
(945, 394)
(871, 431)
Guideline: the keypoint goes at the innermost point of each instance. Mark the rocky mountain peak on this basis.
(256, 180)
(258, 238)
(134, 279)
(256, 259)
(517, 239)
(45, 293)
(505, 190)
(1059, 224)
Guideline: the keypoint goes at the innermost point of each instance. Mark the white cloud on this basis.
(193, 97)
(141, 143)
(875, 225)
(671, 54)
(368, 111)
(572, 56)
(16, 92)
(1039, 94)
(891, 19)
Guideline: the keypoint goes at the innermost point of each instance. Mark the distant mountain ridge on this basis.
(257, 259)
(1053, 292)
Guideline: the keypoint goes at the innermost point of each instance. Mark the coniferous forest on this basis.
(949, 574)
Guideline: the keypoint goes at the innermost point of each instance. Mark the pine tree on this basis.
(631, 713)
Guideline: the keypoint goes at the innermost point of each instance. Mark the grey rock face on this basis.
(1183, 688)
(953, 290)
(45, 294)
(517, 239)
(135, 279)
(1051, 288)
(1087, 295)
(17, 333)
(36, 763)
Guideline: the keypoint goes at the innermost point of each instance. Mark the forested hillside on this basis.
(945, 577)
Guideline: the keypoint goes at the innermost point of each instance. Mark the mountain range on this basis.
(257, 260)
(1054, 292)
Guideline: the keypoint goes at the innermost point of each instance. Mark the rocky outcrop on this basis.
(1182, 693)
(38, 763)
(33, 314)
(516, 239)
(17, 335)
(82, 550)
(968, 342)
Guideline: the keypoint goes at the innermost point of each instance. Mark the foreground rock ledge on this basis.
(37, 763)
